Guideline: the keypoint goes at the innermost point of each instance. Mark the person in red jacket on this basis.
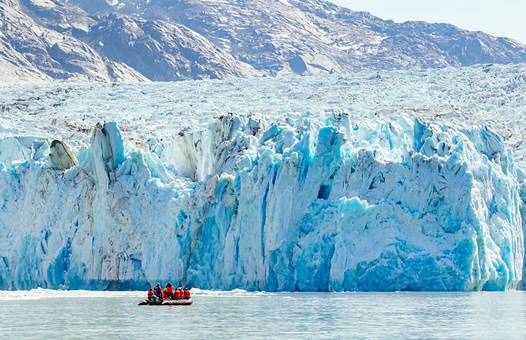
(151, 296)
(186, 294)
(177, 294)
(170, 291)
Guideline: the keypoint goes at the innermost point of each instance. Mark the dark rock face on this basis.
(167, 40)
(60, 156)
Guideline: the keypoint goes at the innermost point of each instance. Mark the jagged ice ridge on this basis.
(304, 204)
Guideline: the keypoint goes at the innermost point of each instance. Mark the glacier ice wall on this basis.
(247, 203)
(522, 190)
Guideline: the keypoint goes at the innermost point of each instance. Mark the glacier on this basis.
(491, 95)
(262, 203)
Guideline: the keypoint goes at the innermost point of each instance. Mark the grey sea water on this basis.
(44, 314)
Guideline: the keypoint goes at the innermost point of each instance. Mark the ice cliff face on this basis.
(303, 204)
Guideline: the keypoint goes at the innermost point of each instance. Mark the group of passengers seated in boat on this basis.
(157, 295)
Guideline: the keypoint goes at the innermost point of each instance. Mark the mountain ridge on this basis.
(161, 40)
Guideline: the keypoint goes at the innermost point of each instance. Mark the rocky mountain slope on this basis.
(167, 40)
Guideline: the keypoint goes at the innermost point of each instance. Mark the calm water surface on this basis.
(44, 314)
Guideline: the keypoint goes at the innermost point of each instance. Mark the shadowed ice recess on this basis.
(307, 204)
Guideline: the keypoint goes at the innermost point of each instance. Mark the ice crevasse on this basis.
(307, 205)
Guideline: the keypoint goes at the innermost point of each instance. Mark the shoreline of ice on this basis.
(41, 293)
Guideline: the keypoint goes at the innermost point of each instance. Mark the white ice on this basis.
(331, 184)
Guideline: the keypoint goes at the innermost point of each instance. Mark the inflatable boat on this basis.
(184, 302)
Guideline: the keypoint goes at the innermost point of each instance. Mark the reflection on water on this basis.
(108, 315)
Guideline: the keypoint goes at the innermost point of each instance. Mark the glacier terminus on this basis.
(308, 202)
